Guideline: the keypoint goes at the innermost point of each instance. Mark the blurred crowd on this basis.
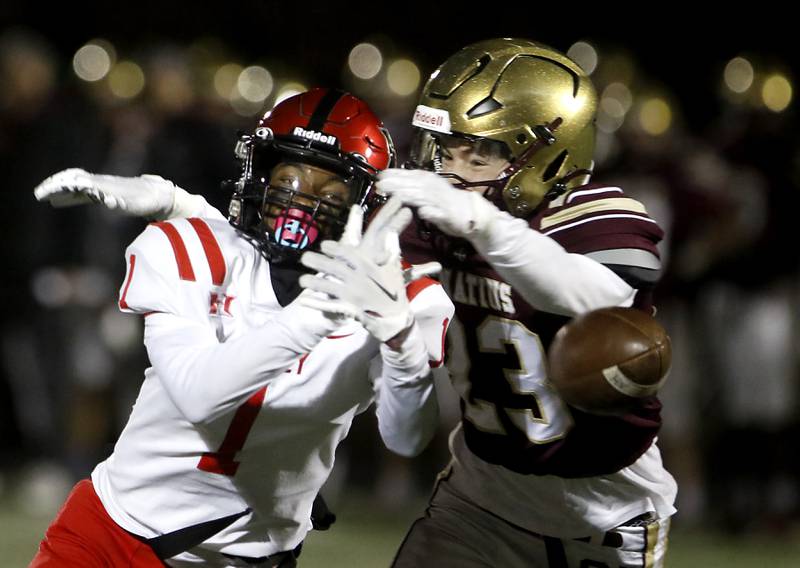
(726, 192)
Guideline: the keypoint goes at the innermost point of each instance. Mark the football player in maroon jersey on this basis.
(502, 162)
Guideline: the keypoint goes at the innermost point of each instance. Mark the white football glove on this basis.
(147, 196)
(362, 276)
(457, 212)
(390, 219)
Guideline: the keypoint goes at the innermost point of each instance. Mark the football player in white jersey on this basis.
(254, 382)
(526, 243)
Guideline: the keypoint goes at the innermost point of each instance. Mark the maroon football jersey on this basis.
(496, 348)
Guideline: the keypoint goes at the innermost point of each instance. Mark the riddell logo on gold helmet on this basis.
(432, 119)
(314, 135)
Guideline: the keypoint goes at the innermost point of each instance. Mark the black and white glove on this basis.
(362, 275)
(147, 196)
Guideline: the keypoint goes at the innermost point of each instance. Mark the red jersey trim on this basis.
(435, 364)
(216, 261)
(417, 286)
(185, 270)
(123, 305)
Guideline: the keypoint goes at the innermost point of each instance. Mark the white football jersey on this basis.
(235, 415)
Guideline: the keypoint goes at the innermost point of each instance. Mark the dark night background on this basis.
(682, 45)
(723, 181)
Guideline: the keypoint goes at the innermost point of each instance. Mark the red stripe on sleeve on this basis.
(216, 262)
(179, 248)
(123, 305)
(417, 286)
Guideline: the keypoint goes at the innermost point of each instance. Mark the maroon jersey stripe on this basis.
(604, 234)
(614, 215)
(591, 194)
(216, 261)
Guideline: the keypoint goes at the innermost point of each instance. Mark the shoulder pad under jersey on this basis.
(606, 225)
(173, 264)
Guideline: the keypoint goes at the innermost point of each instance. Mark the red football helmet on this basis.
(323, 128)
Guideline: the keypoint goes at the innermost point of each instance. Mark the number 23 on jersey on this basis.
(499, 370)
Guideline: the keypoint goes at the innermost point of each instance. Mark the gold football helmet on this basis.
(533, 100)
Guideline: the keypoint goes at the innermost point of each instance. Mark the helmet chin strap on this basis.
(544, 137)
(561, 186)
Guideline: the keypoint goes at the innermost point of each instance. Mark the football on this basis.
(604, 361)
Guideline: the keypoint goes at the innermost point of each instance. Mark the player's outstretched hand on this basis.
(147, 196)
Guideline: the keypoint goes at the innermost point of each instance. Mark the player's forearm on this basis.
(406, 403)
(205, 378)
(188, 204)
(546, 275)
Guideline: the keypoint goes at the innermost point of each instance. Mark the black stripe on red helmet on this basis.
(320, 115)
(325, 128)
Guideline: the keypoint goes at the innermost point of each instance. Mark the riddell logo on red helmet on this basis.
(314, 135)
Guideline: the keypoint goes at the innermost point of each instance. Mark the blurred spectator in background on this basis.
(46, 124)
